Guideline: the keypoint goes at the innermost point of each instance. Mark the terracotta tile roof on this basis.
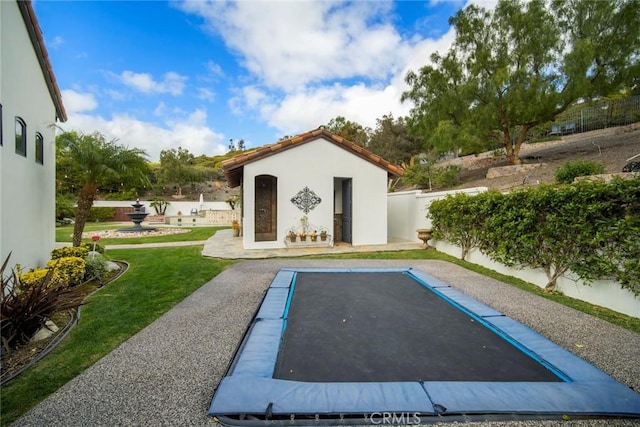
(35, 34)
(234, 167)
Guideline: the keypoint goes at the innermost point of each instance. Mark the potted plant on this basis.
(235, 226)
(292, 236)
(303, 236)
(313, 235)
(323, 234)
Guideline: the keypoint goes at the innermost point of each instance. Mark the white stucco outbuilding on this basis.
(332, 183)
(30, 103)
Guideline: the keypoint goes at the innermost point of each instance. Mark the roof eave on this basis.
(35, 34)
(233, 168)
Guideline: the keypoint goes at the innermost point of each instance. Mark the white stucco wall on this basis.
(315, 164)
(172, 208)
(408, 210)
(27, 189)
(605, 293)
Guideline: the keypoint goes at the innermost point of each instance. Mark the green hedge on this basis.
(101, 213)
(590, 228)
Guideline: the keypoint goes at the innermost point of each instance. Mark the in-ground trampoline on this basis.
(351, 346)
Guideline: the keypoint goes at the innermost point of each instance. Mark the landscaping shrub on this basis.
(569, 171)
(95, 267)
(446, 176)
(447, 215)
(590, 228)
(90, 245)
(35, 276)
(25, 309)
(102, 213)
(67, 251)
(70, 269)
(428, 176)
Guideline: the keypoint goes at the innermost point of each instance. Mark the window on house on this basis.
(39, 148)
(21, 137)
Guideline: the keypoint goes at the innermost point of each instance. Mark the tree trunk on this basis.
(511, 150)
(551, 285)
(553, 273)
(85, 201)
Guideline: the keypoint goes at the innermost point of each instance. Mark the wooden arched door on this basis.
(266, 208)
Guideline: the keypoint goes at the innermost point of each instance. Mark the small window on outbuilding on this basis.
(21, 137)
(39, 148)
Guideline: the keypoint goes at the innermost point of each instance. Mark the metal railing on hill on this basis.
(601, 115)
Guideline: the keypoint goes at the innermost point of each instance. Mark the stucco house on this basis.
(317, 177)
(30, 102)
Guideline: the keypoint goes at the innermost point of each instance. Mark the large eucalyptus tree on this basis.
(520, 65)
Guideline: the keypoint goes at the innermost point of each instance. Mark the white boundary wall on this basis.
(605, 293)
(215, 213)
(408, 210)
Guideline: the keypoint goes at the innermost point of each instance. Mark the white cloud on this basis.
(291, 44)
(309, 107)
(309, 62)
(172, 83)
(307, 110)
(206, 94)
(191, 133)
(56, 42)
(116, 95)
(76, 102)
(160, 110)
(215, 69)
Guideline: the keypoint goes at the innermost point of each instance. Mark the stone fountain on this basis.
(137, 216)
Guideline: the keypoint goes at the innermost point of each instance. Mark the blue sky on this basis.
(157, 75)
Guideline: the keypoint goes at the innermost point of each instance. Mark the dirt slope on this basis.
(611, 147)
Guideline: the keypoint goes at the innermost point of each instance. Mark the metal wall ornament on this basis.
(306, 200)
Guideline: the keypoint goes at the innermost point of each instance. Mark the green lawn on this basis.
(153, 285)
(64, 234)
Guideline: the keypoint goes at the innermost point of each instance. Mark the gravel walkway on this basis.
(166, 374)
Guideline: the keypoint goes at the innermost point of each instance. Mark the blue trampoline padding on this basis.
(249, 387)
(283, 279)
(349, 270)
(274, 304)
(432, 281)
(253, 395)
(566, 398)
(562, 360)
(321, 270)
(470, 304)
(259, 353)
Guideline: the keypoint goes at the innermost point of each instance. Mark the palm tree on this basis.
(95, 161)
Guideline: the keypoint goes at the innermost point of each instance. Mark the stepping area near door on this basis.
(336, 343)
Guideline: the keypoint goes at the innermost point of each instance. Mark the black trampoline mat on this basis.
(386, 327)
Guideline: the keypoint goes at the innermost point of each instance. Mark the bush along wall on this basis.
(589, 228)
